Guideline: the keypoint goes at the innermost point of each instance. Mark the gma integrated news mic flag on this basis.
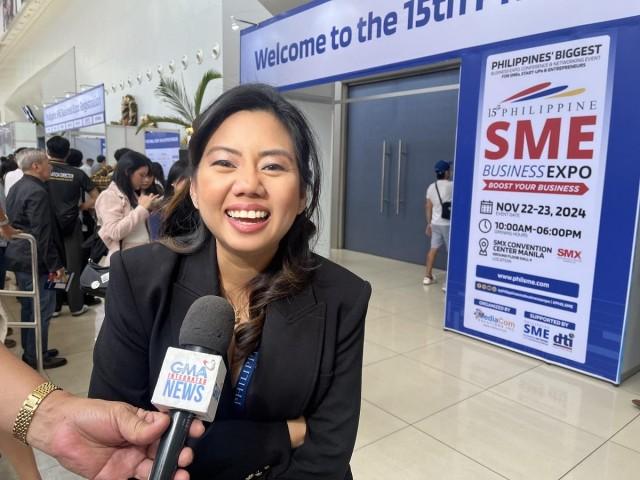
(190, 381)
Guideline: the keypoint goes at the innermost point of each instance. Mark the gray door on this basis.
(397, 131)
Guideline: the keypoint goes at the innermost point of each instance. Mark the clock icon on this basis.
(485, 225)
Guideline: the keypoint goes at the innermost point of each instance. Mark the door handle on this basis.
(400, 154)
(384, 164)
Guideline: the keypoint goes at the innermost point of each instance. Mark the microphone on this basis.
(191, 378)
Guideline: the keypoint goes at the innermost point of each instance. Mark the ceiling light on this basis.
(236, 26)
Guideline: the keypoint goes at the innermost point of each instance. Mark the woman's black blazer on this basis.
(310, 363)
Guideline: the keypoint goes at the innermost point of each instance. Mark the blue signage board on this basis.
(79, 111)
(322, 40)
(162, 147)
(542, 253)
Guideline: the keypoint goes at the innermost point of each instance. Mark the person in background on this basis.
(120, 152)
(299, 333)
(11, 178)
(68, 186)
(95, 166)
(184, 215)
(122, 213)
(158, 175)
(154, 184)
(150, 185)
(439, 192)
(74, 159)
(6, 165)
(29, 209)
(178, 174)
(87, 167)
(95, 439)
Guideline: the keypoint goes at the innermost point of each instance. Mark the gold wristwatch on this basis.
(29, 407)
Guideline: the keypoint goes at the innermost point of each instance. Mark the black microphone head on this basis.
(208, 323)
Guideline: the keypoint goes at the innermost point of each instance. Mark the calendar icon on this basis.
(486, 207)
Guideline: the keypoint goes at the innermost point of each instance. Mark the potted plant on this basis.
(175, 95)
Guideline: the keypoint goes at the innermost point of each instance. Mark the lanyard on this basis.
(244, 380)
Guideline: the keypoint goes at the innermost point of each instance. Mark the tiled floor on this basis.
(437, 405)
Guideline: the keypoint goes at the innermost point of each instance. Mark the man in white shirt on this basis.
(438, 212)
(10, 179)
(87, 167)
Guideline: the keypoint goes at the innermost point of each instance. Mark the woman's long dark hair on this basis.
(292, 266)
(129, 163)
(158, 174)
(178, 171)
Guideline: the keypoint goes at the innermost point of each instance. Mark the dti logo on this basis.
(569, 254)
(542, 90)
(564, 341)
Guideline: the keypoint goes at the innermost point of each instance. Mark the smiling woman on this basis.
(250, 205)
(248, 189)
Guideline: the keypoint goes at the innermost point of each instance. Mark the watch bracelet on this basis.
(28, 410)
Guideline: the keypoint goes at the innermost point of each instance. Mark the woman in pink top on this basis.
(122, 214)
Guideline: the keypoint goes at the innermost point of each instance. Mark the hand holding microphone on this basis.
(191, 378)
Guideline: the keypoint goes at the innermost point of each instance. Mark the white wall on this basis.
(250, 10)
(118, 39)
(320, 117)
(113, 41)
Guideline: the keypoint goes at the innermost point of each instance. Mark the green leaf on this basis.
(208, 76)
(175, 95)
(151, 119)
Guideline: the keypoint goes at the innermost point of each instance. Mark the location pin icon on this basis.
(484, 244)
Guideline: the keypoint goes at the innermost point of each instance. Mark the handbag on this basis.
(94, 279)
(446, 206)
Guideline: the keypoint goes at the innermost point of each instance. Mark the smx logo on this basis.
(568, 254)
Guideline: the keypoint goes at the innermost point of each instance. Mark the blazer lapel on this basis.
(289, 357)
(196, 276)
(290, 349)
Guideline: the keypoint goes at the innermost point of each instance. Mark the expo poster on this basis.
(162, 147)
(537, 193)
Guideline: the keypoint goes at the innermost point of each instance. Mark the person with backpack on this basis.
(438, 211)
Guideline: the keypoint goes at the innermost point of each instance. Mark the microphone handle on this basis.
(171, 443)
